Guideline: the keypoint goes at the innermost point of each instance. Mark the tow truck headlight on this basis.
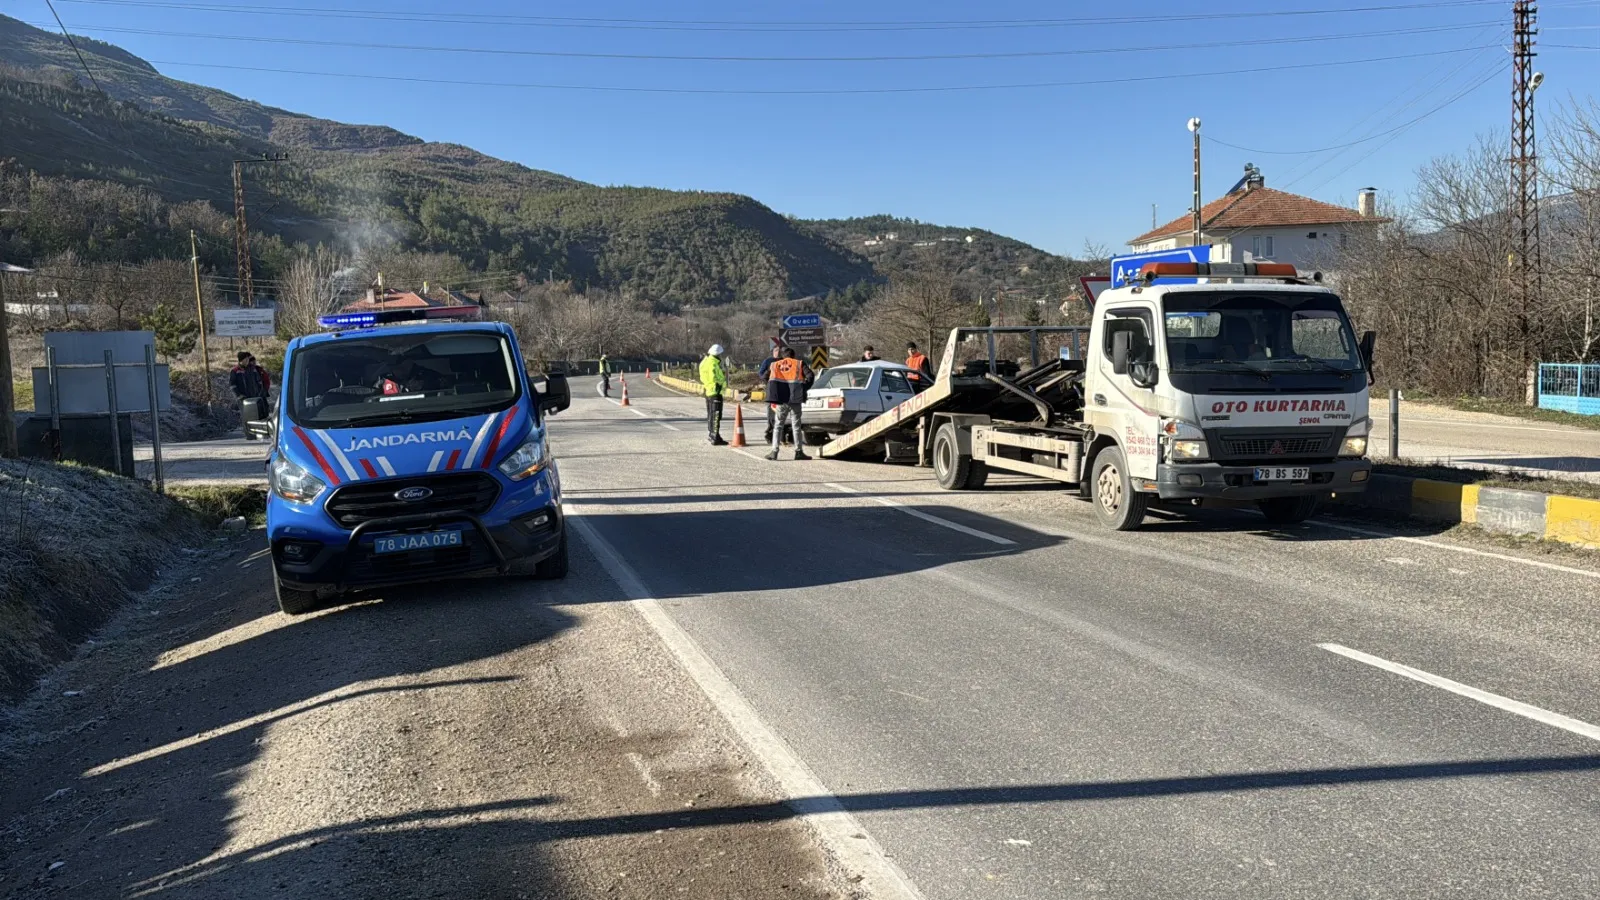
(527, 461)
(1189, 450)
(1354, 446)
(293, 482)
(1184, 441)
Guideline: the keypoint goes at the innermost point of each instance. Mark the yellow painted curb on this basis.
(1572, 520)
(1443, 501)
(693, 388)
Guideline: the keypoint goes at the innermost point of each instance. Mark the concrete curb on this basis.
(1555, 517)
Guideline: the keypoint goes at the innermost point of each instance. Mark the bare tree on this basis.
(311, 288)
(921, 307)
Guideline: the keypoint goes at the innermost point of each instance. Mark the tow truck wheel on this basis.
(953, 469)
(1288, 510)
(1116, 503)
(293, 601)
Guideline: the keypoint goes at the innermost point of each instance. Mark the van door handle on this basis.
(1099, 399)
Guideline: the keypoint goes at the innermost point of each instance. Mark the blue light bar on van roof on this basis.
(350, 320)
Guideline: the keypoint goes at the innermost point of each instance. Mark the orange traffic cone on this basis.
(738, 425)
(646, 373)
(625, 391)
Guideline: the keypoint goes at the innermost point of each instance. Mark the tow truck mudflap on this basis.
(1212, 480)
(352, 546)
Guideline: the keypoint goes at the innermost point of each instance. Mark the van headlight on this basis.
(526, 461)
(292, 481)
(1354, 446)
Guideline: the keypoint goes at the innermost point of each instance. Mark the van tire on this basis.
(1289, 510)
(1116, 504)
(294, 601)
(555, 565)
(953, 469)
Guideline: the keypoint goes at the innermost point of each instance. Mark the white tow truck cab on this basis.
(1244, 384)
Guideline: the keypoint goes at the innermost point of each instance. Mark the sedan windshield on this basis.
(1258, 335)
(393, 379)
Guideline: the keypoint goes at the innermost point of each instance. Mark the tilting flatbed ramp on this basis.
(901, 421)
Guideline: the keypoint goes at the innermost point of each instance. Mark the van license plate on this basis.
(429, 540)
(1279, 473)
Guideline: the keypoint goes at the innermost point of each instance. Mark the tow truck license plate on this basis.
(400, 543)
(1279, 473)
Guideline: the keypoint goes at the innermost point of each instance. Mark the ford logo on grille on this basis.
(413, 494)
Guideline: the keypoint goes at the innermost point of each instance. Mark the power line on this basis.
(1023, 54)
(816, 91)
(74, 44)
(767, 26)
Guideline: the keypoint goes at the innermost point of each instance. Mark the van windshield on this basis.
(390, 379)
(1260, 337)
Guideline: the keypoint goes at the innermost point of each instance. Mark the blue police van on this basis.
(411, 449)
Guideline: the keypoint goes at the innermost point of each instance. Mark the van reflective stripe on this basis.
(344, 463)
(454, 455)
(433, 464)
(494, 444)
(483, 431)
(333, 477)
(383, 462)
(367, 464)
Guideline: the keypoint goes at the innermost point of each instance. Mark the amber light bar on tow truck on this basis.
(1285, 271)
(348, 321)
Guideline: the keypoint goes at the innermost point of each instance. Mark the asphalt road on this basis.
(1016, 703)
(1481, 439)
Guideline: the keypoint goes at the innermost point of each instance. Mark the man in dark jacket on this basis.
(249, 384)
(786, 392)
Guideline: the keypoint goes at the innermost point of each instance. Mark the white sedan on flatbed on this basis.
(848, 395)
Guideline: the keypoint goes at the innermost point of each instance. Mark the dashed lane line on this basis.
(1528, 711)
(837, 828)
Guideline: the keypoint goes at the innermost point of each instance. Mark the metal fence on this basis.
(1570, 387)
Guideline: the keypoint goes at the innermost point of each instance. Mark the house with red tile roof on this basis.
(1254, 222)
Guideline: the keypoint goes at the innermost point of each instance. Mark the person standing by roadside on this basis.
(249, 383)
(762, 373)
(918, 362)
(786, 391)
(714, 378)
(605, 376)
(868, 354)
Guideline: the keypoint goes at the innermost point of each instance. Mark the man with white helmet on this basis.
(714, 378)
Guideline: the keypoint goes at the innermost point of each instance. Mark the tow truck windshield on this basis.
(1238, 341)
(386, 379)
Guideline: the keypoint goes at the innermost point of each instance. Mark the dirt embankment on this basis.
(75, 543)
(477, 740)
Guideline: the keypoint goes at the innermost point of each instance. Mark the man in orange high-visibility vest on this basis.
(786, 391)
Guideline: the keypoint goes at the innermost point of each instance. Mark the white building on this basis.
(1254, 222)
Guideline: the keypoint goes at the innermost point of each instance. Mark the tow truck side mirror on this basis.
(1121, 345)
(557, 394)
(1145, 374)
(1369, 341)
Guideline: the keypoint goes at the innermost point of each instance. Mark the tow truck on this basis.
(1197, 383)
(412, 447)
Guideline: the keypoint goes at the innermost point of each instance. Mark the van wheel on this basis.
(293, 601)
(1116, 503)
(1288, 510)
(556, 565)
(954, 470)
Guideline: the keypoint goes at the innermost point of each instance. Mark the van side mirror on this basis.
(557, 394)
(1121, 344)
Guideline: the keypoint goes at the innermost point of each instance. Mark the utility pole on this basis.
(1196, 225)
(200, 312)
(1527, 268)
(1153, 224)
(241, 229)
(8, 421)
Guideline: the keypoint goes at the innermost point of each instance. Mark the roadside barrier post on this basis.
(1394, 423)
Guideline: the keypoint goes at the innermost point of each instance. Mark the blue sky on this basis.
(1053, 165)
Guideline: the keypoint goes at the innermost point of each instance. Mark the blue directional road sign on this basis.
(1124, 269)
(802, 320)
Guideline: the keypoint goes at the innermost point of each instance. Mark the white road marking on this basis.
(1565, 723)
(926, 517)
(1471, 551)
(844, 836)
(667, 426)
(643, 768)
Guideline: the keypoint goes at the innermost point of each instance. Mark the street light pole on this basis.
(1194, 236)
